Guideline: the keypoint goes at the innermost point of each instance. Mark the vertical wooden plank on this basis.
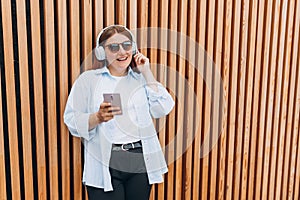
(75, 71)
(161, 72)
(271, 138)
(51, 97)
(274, 101)
(11, 98)
(225, 77)
(63, 88)
(38, 98)
(200, 92)
(182, 7)
(285, 95)
(153, 52)
(142, 20)
(242, 139)
(98, 19)
(109, 17)
(172, 43)
(216, 98)
(263, 99)
(3, 190)
(281, 134)
(296, 126)
(231, 185)
(293, 120)
(297, 175)
(86, 34)
(208, 108)
(219, 187)
(153, 37)
(132, 14)
(293, 163)
(208, 162)
(24, 95)
(256, 99)
(189, 97)
(249, 94)
(241, 97)
(198, 106)
(121, 11)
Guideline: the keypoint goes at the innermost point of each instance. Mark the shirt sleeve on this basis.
(160, 102)
(76, 115)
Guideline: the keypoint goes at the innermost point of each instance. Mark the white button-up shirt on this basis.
(139, 104)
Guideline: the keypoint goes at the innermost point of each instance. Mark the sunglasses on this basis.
(115, 47)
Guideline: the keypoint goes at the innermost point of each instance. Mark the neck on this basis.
(114, 72)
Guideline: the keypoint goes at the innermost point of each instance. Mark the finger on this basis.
(105, 105)
(110, 115)
(118, 112)
(142, 59)
(106, 116)
(112, 108)
(136, 58)
(138, 55)
(139, 59)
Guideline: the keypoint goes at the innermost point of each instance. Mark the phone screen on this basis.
(114, 99)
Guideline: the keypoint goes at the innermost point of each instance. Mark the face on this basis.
(118, 53)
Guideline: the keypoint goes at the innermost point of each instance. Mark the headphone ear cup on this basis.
(100, 53)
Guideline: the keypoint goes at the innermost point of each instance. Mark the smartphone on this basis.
(114, 99)
(133, 65)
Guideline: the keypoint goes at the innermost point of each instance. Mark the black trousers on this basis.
(129, 178)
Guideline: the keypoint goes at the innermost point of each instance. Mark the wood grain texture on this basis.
(51, 86)
(11, 99)
(24, 97)
(253, 45)
(39, 105)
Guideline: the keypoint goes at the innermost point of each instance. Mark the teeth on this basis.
(121, 59)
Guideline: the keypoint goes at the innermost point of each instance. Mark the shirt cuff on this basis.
(155, 95)
(82, 125)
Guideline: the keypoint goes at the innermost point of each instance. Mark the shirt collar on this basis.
(104, 70)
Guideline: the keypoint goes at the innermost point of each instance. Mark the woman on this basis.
(123, 157)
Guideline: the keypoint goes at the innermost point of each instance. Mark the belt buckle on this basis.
(122, 147)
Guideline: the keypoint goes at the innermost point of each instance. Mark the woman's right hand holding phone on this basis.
(105, 113)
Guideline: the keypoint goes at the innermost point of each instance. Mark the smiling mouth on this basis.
(122, 59)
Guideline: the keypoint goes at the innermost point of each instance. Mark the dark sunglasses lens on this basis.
(127, 45)
(114, 47)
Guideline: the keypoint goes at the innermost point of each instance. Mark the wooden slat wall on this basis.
(254, 46)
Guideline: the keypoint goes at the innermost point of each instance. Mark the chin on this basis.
(124, 65)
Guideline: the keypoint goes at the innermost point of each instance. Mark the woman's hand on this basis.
(142, 62)
(143, 65)
(105, 113)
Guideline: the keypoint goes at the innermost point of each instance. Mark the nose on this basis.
(122, 51)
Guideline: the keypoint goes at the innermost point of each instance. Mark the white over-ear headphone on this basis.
(99, 50)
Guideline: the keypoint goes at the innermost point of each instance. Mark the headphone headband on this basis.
(99, 50)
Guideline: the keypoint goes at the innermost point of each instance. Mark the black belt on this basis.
(126, 147)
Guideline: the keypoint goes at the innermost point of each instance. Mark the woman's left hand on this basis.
(142, 62)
